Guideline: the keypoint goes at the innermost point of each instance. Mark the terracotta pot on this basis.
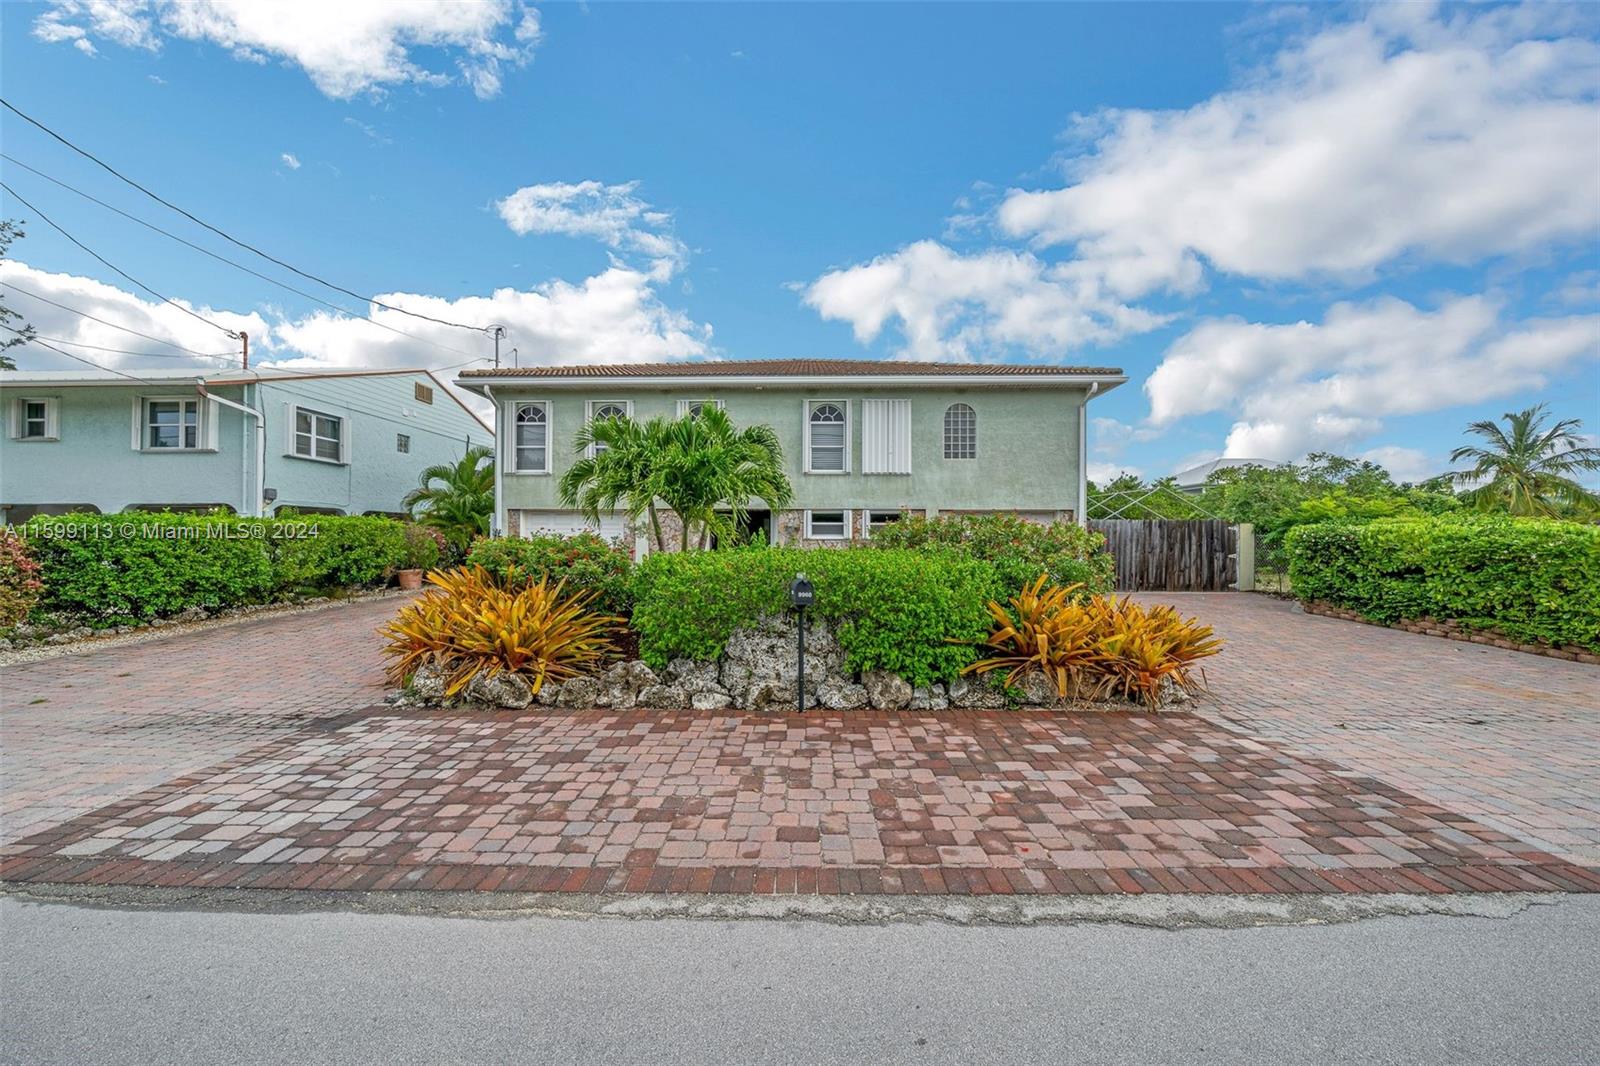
(410, 579)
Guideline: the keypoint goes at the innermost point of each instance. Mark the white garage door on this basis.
(567, 522)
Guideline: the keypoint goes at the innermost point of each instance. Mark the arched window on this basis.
(601, 410)
(827, 431)
(960, 432)
(532, 440)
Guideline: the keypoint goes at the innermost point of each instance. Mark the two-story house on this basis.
(329, 442)
(864, 442)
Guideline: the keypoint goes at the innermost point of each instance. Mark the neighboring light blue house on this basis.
(864, 442)
(328, 442)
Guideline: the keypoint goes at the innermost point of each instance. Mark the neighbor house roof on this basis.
(1197, 475)
(760, 371)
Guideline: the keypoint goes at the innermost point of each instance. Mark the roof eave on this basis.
(715, 381)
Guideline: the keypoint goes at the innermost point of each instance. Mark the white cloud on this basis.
(1102, 473)
(615, 316)
(290, 160)
(347, 47)
(610, 214)
(1404, 134)
(1406, 464)
(1303, 385)
(964, 307)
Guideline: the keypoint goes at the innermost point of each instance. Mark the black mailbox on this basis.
(801, 594)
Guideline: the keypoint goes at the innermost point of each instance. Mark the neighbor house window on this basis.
(876, 520)
(402, 443)
(960, 432)
(604, 409)
(694, 407)
(531, 441)
(422, 393)
(318, 435)
(35, 420)
(827, 525)
(827, 437)
(171, 424)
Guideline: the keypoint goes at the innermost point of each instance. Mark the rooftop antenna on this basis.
(497, 332)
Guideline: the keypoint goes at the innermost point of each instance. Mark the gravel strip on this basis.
(38, 653)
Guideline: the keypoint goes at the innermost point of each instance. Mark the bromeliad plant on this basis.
(470, 622)
(1094, 648)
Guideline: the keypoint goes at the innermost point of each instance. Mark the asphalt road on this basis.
(99, 986)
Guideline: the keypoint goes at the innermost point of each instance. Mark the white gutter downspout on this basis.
(1083, 454)
(253, 510)
(498, 525)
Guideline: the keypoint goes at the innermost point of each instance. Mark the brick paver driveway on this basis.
(1336, 757)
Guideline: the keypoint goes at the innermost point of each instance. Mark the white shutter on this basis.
(52, 419)
(14, 419)
(886, 436)
(213, 426)
(138, 420)
(344, 441)
(288, 428)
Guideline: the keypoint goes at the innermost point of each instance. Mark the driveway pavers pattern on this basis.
(1333, 757)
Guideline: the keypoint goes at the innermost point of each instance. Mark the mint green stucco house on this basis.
(865, 442)
(331, 442)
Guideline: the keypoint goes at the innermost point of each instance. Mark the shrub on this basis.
(19, 579)
(1531, 579)
(1107, 645)
(425, 546)
(471, 622)
(584, 561)
(114, 569)
(892, 610)
(1019, 550)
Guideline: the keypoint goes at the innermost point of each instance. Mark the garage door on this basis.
(568, 522)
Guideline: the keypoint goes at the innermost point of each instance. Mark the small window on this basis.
(960, 432)
(318, 435)
(827, 437)
(423, 393)
(827, 525)
(876, 520)
(531, 441)
(35, 420)
(171, 424)
(694, 407)
(599, 411)
(402, 443)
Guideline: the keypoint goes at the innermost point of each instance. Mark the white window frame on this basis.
(202, 441)
(843, 534)
(685, 405)
(52, 419)
(944, 433)
(589, 408)
(806, 410)
(872, 518)
(294, 434)
(513, 452)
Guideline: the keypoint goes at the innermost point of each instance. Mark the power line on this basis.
(233, 263)
(103, 322)
(222, 233)
(127, 351)
(79, 358)
(201, 318)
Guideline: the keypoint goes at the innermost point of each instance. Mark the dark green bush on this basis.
(1532, 579)
(1019, 550)
(584, 561)
(892, 610)
(115, 569)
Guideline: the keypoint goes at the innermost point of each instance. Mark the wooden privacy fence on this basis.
(1172, 555)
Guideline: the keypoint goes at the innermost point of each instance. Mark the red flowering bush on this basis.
(19, 579)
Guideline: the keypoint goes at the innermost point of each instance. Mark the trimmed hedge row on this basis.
(1534, 580)
(584, 561)
(106, 570)
(1019, 550)
(892, 609)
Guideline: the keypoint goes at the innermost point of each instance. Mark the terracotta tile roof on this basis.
(788, 368)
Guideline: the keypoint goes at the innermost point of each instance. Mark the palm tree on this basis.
(1526, 469)
(456, 498)
(622, 473)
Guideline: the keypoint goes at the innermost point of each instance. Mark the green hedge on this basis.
(585, 561)
(116, 569)
(892, 610)
(1532, 579)
(1019, 550)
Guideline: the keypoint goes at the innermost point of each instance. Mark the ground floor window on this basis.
(827, 525)
(876, 520)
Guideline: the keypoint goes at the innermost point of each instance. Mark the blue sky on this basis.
(1336, 228)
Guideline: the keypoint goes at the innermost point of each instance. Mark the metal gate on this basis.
(1172, 554)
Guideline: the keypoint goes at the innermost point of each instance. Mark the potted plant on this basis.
(423, 548)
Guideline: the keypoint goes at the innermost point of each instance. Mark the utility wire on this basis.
(103, 322)
(54, 225)
(127, 351)
(69, 355)
(222, 233)
(224, 259)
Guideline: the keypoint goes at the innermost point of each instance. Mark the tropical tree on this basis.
(619, 468)
(456, 498)
(1527, 467)
(13, 335)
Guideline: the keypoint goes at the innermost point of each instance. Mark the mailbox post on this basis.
(801, 596)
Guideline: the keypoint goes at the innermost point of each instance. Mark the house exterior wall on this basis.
(93, 461)
(1027, 450)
